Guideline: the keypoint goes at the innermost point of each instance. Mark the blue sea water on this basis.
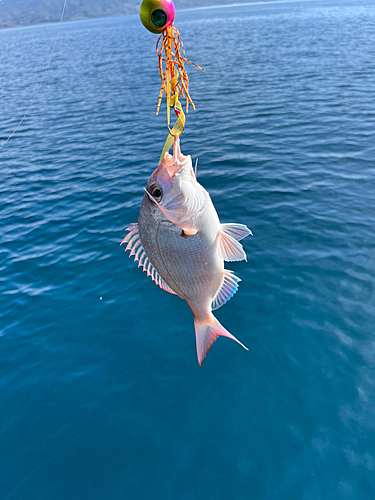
(101, 396)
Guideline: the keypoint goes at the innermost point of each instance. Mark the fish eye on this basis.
(156, 192)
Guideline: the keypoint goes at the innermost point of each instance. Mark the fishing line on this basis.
(41, 81)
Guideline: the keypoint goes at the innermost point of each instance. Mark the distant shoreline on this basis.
(71, 20)
(14, 25)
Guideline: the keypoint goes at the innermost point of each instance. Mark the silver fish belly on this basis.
(181, 244)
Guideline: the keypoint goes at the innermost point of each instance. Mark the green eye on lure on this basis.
(156, 15)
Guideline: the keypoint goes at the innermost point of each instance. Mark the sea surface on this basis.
(101, 395)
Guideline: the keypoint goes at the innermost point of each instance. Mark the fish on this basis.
(181, 244)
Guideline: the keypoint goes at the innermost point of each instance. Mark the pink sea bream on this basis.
(181, 244)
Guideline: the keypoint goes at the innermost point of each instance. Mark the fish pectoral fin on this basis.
(237, 231)
(173, 213)
(228, 288)
(229, 248)
(206, 332)
(134, 245)
(176, 213)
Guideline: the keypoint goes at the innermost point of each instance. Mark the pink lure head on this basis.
(156, 15)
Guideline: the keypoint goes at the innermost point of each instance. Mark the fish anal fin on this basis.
(229, 248)
(228, 288)
(134, 245)
(206, 332)
(237, 231)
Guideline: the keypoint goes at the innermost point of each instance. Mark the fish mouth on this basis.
(173, 164)
(177, 155)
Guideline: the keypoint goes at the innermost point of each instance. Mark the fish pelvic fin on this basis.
(229, 248)
(206, 332)
(237, 231)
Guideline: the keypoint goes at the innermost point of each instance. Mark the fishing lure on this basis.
(158, 16)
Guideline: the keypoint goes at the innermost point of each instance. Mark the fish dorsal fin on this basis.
(228, 288)
(135, 246)
(229, 248)
(237, 231)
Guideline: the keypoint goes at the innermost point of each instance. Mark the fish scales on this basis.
(173, 254)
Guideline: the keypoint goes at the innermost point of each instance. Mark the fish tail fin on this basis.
(206, 332)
